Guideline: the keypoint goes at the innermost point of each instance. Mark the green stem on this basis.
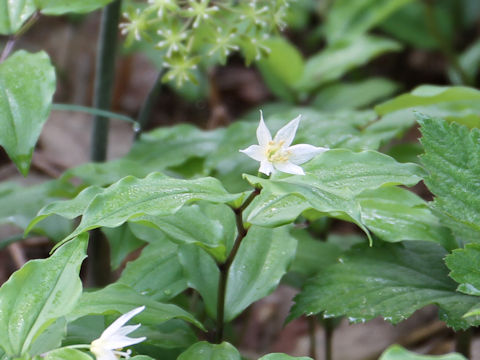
(105, 74)
(463, 342)
(99, 265)
(146, 109)
(444, 43)
(225, 266)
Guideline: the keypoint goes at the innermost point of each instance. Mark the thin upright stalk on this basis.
(463, 342)
(329, 328)
(225, 267)
(13, 38)
(104, 78)
(147, 106)
(99, 273)
(312, 331)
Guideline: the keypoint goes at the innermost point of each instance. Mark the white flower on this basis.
(108, 346)
(277, 154)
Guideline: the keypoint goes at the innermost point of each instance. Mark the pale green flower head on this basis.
(108, 346)
(277, 154)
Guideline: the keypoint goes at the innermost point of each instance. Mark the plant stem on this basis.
(13, 38)
(99, 263)
(8, 48)
(147, 106)
(463, 342)
(105, 74)
(312, 338)
(225, 266)
(444, 43)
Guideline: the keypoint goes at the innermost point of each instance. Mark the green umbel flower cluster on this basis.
(191, 31)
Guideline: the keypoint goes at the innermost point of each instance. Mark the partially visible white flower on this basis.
(277, 154)
(108, 346)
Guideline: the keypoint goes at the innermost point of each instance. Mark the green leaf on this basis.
(396, 352)
(206, 351)
(27, 84)
(13, 14)
(28, 201)
(339, 58)
(60, 7)
(120, 298)
(38, 294)
(330, 186)
(391, 280)
(157, 273)
(348, 19)
(177, 145)
(210, 226)
(282, 67)
(122, 242)
(263, 258)
(451, 158)
(202, 274)
(261, 261)
(470, 63)
(66, 354)
(409, 26)
(68, 209)
(130, 197)
(354, 95)
(454, 103)
(51, 338)
(463, 264)
(278, 356)
(395, 214)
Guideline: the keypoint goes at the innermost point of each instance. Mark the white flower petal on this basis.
(266, 167)
(303, 152)
(103, 354)
(117, 324)
(287, 133)
(256, 152)
(289, 168)
(263, 134)
(118, 342)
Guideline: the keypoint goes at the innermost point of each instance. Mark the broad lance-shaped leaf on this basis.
(13, 14)
(464, 269)
(157, 272)
(332, 181)
(278, 356)
(262, 260)
(39, 293)
(347, 19)
(66, 354)
(396, 352)
(210, 226)
(177, 144)
(454, 103)
(27, 84)
(60, 7)
(392, 281)
(130, 197)
(119, 298)
(206, 351)
(339, 58)
(395, 214)
(452, 159)
(20, 204)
